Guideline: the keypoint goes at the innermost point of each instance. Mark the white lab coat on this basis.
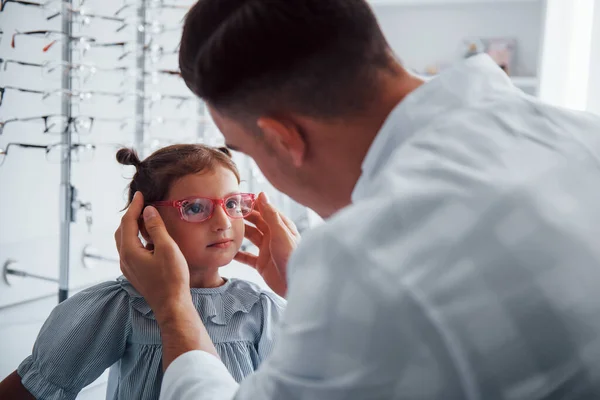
(468, 266)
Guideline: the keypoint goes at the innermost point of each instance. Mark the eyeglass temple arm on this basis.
(165, 203)
(107, 18)
(97, 16)
(21, 89)
(3, 123)
(111, 44)
(41, 32)
(88, 145)
(22, 2)
(27, 64)
(174, 6)
(24, 145)
(167, 72)
(123, 8)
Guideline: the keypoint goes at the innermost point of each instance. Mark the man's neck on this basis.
(353, 141)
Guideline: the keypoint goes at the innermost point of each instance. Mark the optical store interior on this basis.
(80, 80)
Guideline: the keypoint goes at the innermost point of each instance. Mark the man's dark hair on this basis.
(317, 57)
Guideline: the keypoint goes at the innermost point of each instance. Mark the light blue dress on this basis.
(112, 325)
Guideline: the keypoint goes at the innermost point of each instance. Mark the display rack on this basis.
(153, 24)
(69, 202)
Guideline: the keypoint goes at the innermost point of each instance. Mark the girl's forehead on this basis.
(214, 184)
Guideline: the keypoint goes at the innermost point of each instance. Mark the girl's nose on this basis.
(220, 219)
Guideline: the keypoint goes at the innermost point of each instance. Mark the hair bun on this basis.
(225, 150)
(127, 156)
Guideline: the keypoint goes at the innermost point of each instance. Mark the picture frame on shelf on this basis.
(502, 51)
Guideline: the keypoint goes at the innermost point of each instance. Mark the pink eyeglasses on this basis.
(199, 209)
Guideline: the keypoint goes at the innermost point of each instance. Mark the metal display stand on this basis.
(66, 188)
(140, 63)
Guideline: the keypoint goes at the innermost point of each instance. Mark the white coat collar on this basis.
(465, 83)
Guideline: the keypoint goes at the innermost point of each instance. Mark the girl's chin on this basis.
(212, 258)
(213, 262)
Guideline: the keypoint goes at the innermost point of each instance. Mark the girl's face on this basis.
(202, 243)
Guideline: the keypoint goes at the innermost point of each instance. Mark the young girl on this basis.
(196, 190)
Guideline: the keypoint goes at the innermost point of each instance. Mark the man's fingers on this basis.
(270, 215)
(129, 223)
(155, 227)
(118, 239)
(254, 235)
(246, 258)
(258, 221)
(290, 225)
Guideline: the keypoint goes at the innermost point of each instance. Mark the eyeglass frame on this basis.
(49, 32)
(74, 11)
(3, 3)
(47, 148)
(151, 6)
(49, 67)
(179, 204)
(84, 95)
(91, 67)
(70, 121)
(3, 91)
(81, 13)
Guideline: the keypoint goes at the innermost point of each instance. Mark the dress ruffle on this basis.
(217, 305)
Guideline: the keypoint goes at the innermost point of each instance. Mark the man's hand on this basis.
(161, 275)
(276, 238)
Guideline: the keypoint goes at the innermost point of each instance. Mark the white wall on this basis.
(566, 55)
(423, 35)
(594, 68)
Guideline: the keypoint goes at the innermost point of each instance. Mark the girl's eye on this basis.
(194, 208)
(232, 204)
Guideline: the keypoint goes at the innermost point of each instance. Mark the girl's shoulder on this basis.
(109, 291)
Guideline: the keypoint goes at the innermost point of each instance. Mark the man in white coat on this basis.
(460, 258)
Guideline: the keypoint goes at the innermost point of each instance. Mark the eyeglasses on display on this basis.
(151, 5)
(57, 124)
(55, 70)
(55, 153)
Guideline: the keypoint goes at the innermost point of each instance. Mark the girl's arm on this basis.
(12, 388)
(81, 338)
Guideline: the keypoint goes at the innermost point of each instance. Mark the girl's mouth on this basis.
(221, 244)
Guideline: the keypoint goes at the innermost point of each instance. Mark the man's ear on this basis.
(285, 137)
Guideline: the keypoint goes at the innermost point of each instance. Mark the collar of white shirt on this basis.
(463, 84)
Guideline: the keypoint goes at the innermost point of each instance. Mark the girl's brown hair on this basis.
(155, 175)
